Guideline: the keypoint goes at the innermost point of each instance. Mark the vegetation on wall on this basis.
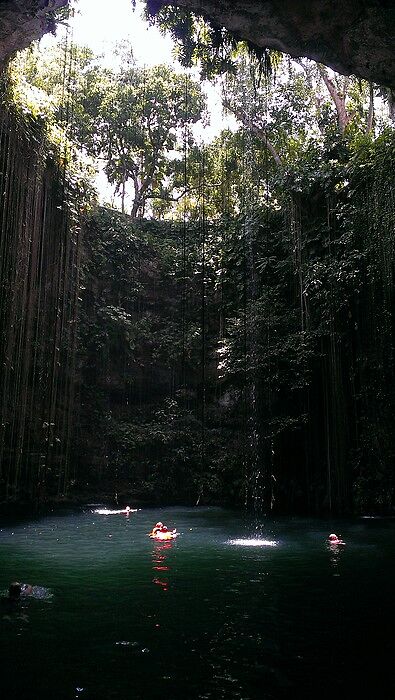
(284, 391)
(144, 424)
(238, 347)
(40, 206)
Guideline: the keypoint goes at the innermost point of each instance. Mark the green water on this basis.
(198, 617)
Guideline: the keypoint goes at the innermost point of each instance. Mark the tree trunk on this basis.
(123, 196)
(369, 124)
(391, 104)
(338, 99)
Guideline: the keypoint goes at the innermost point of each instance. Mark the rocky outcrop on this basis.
(22, 21)
(351, 36)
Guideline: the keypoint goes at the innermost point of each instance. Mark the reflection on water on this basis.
(335, 553)
(159, 563)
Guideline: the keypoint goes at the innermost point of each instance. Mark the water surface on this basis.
(228, 610)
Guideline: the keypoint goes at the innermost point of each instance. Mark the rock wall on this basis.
(39, 268)
(352, 37)
(23, 21)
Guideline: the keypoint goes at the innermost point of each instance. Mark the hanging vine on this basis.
(39, 269)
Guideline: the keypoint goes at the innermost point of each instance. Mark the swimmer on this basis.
(16, 590)
(161, 532)
(334, 539)
(126, 510)
(157, 528)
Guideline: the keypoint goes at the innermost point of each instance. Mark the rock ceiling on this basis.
(22, 21)
(351, 36)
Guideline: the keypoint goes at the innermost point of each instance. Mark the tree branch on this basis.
(257, 130)
(154, 195)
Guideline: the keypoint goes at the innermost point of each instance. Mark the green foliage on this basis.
(245, 350)
(294, 392)
(46, 114)
(44, 195)
(200, 41)
(134, 120)
(140, 366)
(138, 126)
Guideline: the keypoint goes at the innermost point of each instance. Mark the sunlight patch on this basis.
(253, 543)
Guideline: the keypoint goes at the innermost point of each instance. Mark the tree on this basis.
(301, 104)
(137, 120)
(141, 121)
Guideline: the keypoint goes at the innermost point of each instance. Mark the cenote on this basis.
(197, 321)
(201, 616)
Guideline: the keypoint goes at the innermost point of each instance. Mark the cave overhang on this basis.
(351, 36)
(354, 37)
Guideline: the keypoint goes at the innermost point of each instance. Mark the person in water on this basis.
(160, 530)
(334, 539)
(159, 527)
(17, 590)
